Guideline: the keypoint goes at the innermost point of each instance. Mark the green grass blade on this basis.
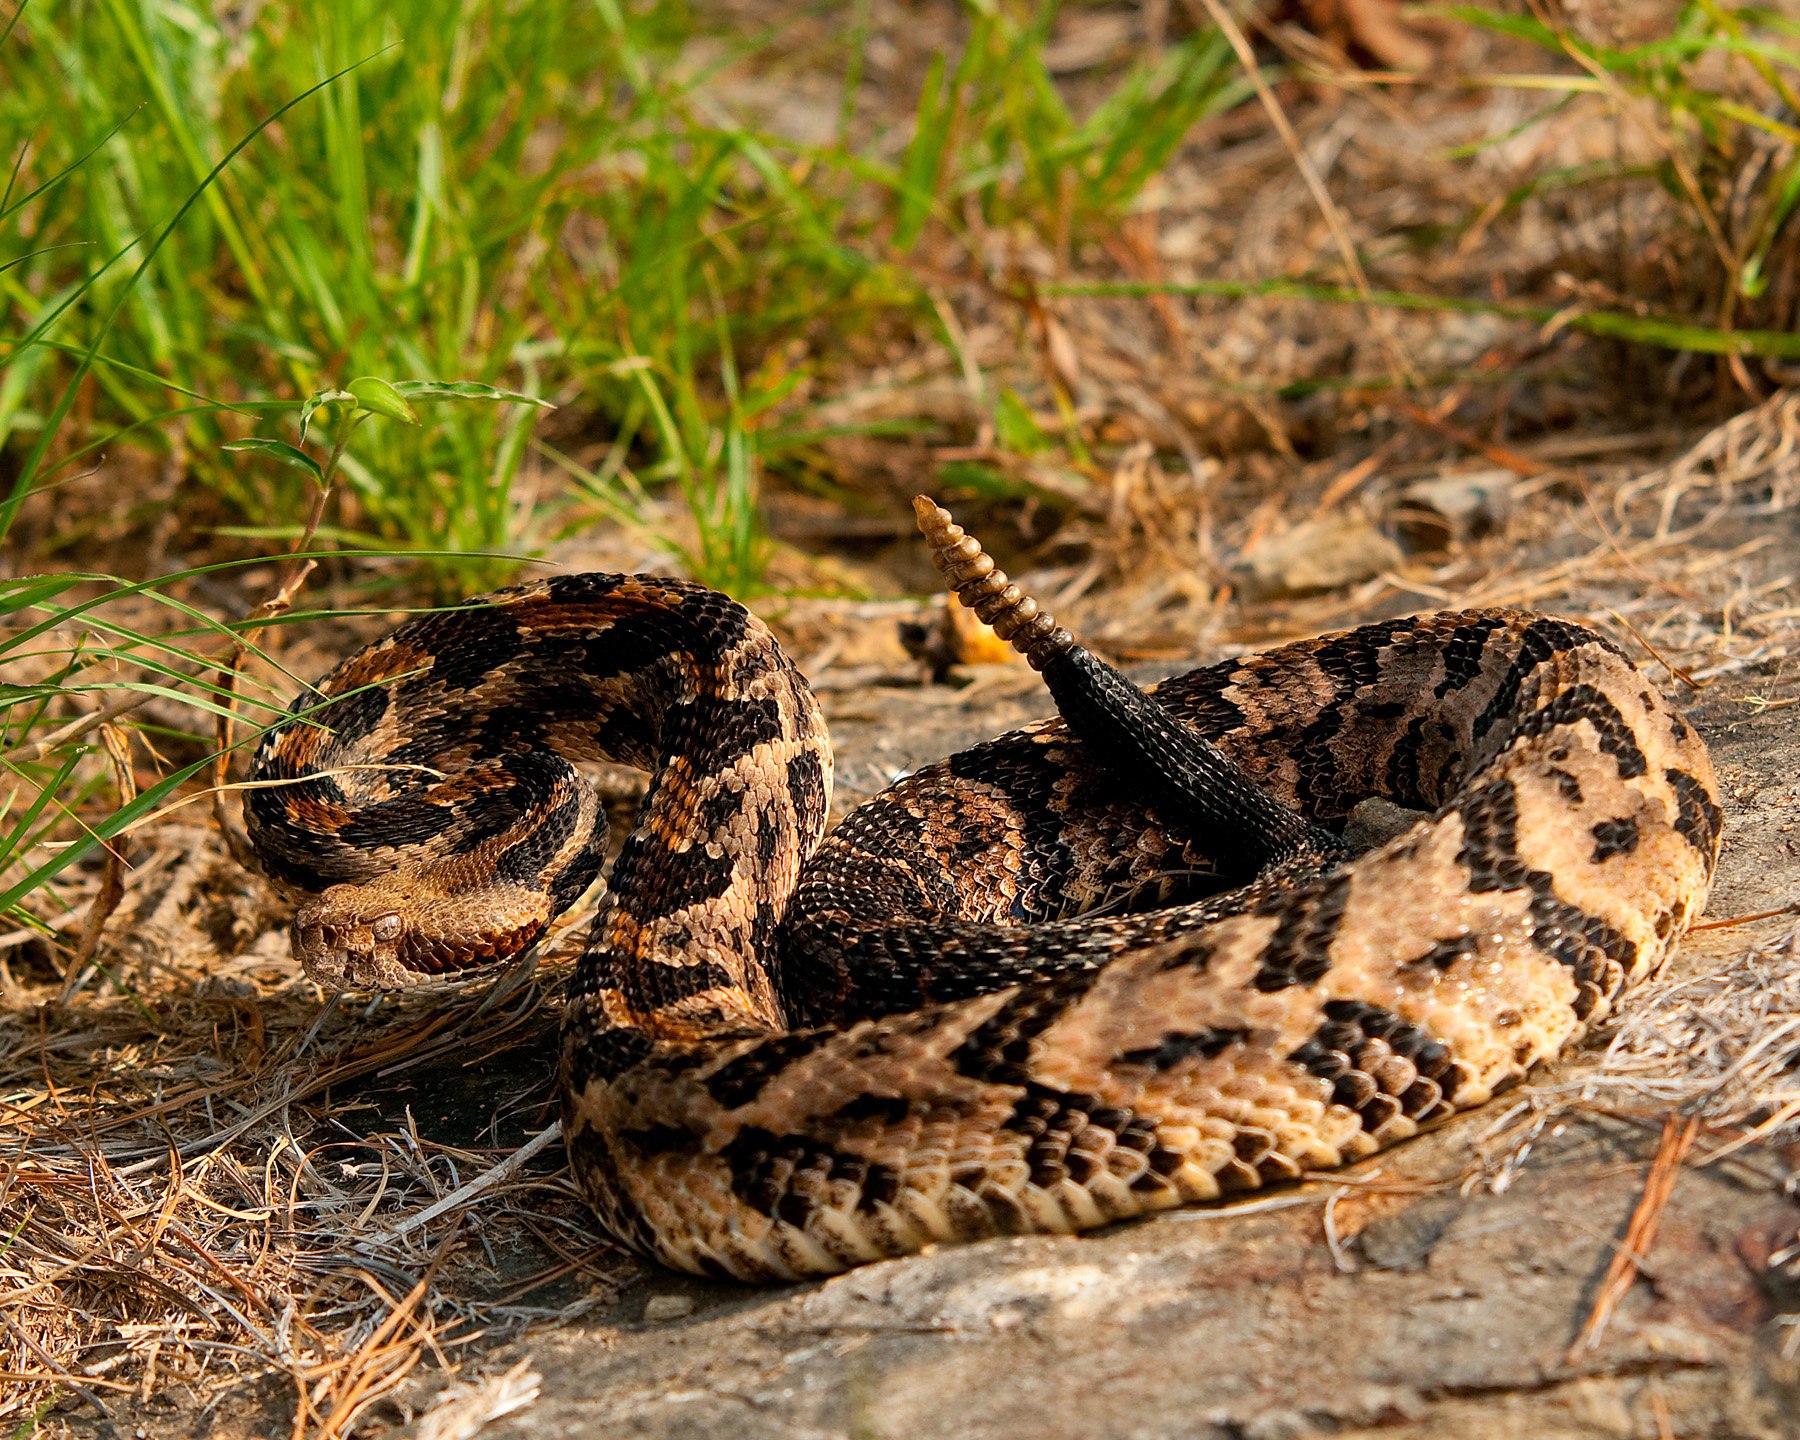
(22, 486)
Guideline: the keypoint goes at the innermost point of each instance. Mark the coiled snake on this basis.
(1101, 966)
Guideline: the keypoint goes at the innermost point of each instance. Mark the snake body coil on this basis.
(1015, 991)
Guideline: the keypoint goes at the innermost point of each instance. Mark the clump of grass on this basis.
(1710, 91)
(549, 234)
(588, 231)
(998, 129)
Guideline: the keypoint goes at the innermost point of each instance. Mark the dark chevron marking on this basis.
(1463, 655)
(605, 1054)
(1584, 702)
(785, 1176)
(740, 1080)
(1179, 1045)
(999, 1049)
(1353, 1033)
(1299, 953)
(1540, 640)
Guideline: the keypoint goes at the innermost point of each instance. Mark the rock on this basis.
(1376, 821)
(1405, 1240)
(1451, 510)
(659, 1309)
(956, 636)
(1323, 554)
(1221, 1325)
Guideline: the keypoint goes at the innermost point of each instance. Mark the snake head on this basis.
(386, 936)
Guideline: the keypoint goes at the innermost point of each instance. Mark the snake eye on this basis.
(385, 927)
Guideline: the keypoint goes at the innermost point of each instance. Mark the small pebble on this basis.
(659, 1308)
(1435, 514)
(1324, 554)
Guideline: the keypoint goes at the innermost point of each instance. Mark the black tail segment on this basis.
(1243, 825)
(1246, 828)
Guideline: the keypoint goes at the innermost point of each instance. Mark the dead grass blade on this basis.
(1634, 1249)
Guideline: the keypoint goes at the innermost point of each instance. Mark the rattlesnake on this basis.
(1101, 966)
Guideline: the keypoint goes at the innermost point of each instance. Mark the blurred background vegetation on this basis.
(540, 195)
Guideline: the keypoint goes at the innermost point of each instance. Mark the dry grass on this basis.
(204, 1190)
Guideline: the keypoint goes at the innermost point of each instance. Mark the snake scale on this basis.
(1105, 965)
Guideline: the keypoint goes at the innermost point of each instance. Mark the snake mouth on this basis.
(350, 956)
(343, 946)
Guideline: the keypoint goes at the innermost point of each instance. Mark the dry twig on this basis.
(1634, 1249)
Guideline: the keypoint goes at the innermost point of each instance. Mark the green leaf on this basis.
(282, 451)
(379, 397)
(24, 591)
(317, 401)
(27, 475)
(93, 836)
(463, 390)
(924, 156)
(45, 250)
(1015, 428)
